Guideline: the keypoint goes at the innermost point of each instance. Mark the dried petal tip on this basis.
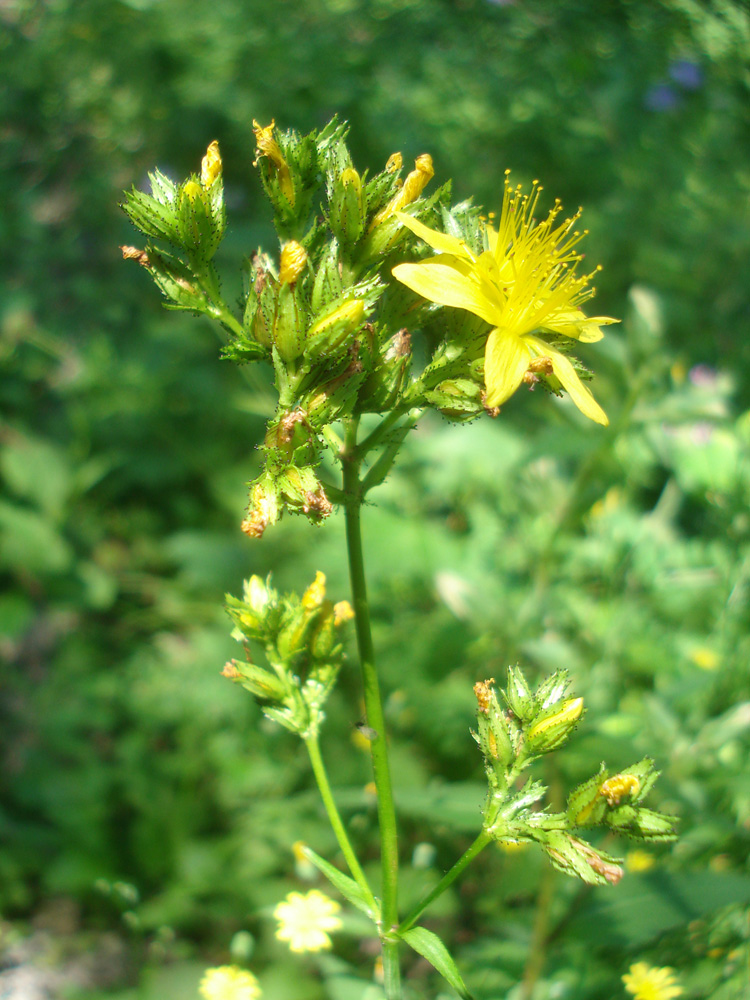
(230, 670)
(133, 253)
(211, 165)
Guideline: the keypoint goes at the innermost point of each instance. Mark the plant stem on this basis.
(374, 710)
(321, 776)
(450, 876)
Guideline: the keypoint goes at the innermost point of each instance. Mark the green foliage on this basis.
(620, 557)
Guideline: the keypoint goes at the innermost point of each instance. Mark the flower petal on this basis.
(450, 282)
(506, 358)
(575, 324)
(581, 396)
(438, 241)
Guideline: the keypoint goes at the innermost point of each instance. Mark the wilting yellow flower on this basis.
(304, 920)
(211, 165)
(227, 982)
(647, 982)
(266, 145)
(415, 183)
(524, 285)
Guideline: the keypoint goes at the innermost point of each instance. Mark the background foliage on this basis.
(136, 782)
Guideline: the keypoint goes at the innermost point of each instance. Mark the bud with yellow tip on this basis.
(553, 729)
(292, 263)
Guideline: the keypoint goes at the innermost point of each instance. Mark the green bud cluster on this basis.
(300, 638)
(529, 723)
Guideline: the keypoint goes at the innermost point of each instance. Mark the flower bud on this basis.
(390, 373)
(335, 329)
(575, 857)
(289, 324)
(518, 695)
(315, 594)
(552, 730)
(347, 210)
(614, 789)
(293, 262)
(458, 399)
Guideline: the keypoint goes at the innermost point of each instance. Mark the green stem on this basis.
(450, 876)
(374, 711)
(321, 776)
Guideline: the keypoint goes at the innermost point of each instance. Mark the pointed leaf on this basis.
(348, 888)
(429, 946)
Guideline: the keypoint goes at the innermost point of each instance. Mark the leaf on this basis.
(429, 946)
(348, 888)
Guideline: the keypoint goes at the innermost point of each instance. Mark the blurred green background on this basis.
(148, 810)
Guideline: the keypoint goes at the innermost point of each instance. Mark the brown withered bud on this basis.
(230, 670)
(288, 423)
(611, 872)
(317, 504)
(399, 346)
(261, 273)
(482, 689)
(133, 253)
(537, 367)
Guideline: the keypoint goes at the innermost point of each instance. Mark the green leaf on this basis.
(346, 886)
(429, 946)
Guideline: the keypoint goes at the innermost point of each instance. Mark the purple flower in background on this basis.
(687, 74)
(703, 376)
(661, 97)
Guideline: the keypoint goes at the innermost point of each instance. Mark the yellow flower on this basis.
(227, 982)
(646, 982)
(525, 285)
(304, 920)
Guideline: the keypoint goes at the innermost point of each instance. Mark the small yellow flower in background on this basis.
(228, 982)
(305, 920)
(639, 861)
(646, 982)
(705, 658)
(524, 285)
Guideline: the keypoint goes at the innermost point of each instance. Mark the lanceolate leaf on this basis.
(429, 946)
(346, 886)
